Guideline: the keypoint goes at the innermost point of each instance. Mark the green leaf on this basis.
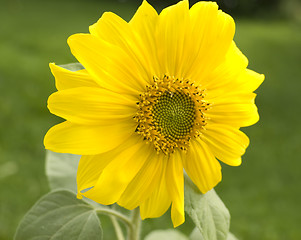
(196, 235)
(59, 215)
(166, 235)
(61, 170)
(231, 237)
(207, 211)
(72, 66)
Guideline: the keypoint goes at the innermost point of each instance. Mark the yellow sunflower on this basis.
(157, 95)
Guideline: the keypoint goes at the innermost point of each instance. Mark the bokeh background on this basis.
(263, 195)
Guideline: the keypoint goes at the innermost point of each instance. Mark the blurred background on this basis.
(263, 195)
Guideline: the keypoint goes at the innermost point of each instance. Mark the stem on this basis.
(114, 213)
(117, 228)
(134, 231)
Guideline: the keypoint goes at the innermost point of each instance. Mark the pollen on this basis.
(171, 112)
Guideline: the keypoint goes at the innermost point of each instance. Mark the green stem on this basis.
(114, 213)
(117, 228)
(134, 231)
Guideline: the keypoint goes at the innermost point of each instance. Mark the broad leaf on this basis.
(231, 237)
(61, 170)
(196, 235)
(207, 211)
(166, 235)
(60, 215)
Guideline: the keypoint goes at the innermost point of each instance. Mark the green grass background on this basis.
(263, 195)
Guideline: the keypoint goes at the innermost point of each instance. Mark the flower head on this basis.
(157, 95)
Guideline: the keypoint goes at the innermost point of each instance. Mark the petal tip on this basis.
(76, 37)
(177, 219)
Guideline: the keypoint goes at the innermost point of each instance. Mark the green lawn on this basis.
(263, 195)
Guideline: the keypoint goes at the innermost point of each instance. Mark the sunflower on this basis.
(157, 95)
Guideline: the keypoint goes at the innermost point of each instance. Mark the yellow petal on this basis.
(211, 35)
(65, 79)
(72, 138)
(201, 166)
(171, 39)
(108, 64)
(144, 182)
(86, 105)
(89, 169)
(232, 76)
(249, 81)
(159, 201)
(144, 23)
(234, 109)
(145, 17)
(117, 175)
(175, 183)
(227, 143)
(91, 166)
(114, 30)
(224, 78)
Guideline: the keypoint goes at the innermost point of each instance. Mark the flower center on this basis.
(174, 114)
(170, 112)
